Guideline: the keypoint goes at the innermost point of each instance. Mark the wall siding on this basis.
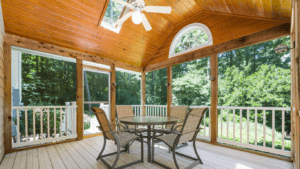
(1, 86)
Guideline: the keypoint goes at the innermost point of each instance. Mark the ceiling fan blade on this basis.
(122, 2)
(146, 23)
(158, 9)
(124, 18)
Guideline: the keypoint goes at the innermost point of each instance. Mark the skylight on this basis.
(113, 12)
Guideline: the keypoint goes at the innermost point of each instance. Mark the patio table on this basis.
(149, 121)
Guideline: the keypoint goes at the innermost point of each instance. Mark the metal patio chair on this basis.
(188, 132)
(121, 137)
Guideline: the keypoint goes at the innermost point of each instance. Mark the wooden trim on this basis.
(143, 93)
(43, 145)
(7, 98)
(295, 89)
(18, 41)
(92, 135)
(113, 94)
(97, 68)
(79, 98)
(169, 89)
(103, 12)
(214, 99)
(259, 37)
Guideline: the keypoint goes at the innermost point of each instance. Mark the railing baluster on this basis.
(41, 123)
(209, 123)
(33, 127)
(66, 121)
(54, 122)
(233, 124)
(283, 129)
(241, 125)
(247, 126)
(26, 124)
(222, 123)
(227, 119)
(204, 133)
(18, 126)
(264, 125)
(48, 122)
(273, 128)
(61, 119)
(256, 127)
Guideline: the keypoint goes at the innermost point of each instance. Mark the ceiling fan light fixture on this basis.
(136, 17)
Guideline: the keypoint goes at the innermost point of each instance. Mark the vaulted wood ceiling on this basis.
(73, 24)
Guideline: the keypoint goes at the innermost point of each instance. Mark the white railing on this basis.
(239, 129)
(156, 110)
(137, 110)
(244, 127)
(42, 124)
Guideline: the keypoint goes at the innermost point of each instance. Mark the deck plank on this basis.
(83, 154)
(43, 158)
(66, 157)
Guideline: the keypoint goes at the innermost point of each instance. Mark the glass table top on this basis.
(149, 120)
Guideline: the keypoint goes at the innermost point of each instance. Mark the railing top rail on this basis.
(236, 107)
(41, 107)
(255, 108)
(157, 105)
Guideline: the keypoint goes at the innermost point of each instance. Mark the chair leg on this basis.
(117, 158)
(194, 145)
(174, 157)
(104, 145)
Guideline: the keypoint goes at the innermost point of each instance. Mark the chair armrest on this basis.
(118, 124)
(177, 127)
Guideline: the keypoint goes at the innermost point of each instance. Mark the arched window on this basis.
(191, 37)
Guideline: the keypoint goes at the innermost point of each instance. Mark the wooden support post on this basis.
(113, 94)
(169, 89)
(143, 93)
(79, 98)
(7, 98)
(295, 89)
(214, 100)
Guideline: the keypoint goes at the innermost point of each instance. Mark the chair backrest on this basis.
(104, 122)
(124, 110)
(179, 112)
(192, 122)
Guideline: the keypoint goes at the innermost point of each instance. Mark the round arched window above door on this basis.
(191, 37)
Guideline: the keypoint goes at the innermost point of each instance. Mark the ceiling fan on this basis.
(137, 7)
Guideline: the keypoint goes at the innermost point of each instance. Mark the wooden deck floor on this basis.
(82, 154)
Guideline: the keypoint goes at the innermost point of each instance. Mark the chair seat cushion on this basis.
(126, 137)
(168, 139)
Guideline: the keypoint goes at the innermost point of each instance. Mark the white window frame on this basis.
(118, 28)
(187, 29)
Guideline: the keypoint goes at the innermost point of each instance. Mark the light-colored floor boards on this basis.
(83, 154)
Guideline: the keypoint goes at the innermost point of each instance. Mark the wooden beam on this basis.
(96, 68)
(113, 94)
(214, 99)
(79, 98)
(259, 37)
(295, 89)
(143, 93)
(18, 41)
(7, 98)
(169, 89)
(103, 12)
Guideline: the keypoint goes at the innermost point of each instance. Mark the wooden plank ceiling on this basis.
(73, 24)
